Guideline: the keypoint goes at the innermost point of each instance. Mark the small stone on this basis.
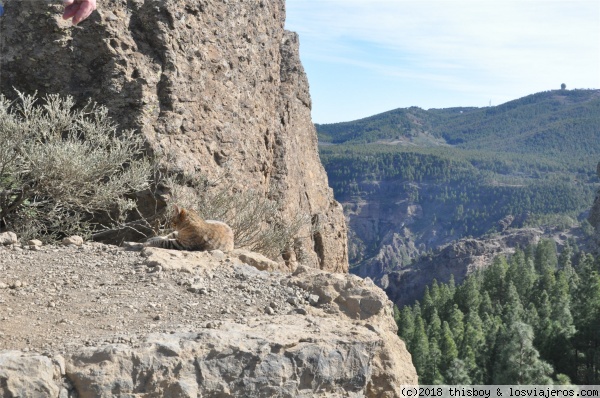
(3, 285)
(73, 240)
(300, 311)
(52, 304)
(110, 16)
(8, 238)
(59, 362)
(269, 311)
(157, 318)
(16, 284)
(293, 301)
(34, 242)
(313, 299)
(218, 254)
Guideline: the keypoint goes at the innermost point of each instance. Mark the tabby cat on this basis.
(194, 233)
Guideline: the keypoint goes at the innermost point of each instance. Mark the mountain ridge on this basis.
(412, 181)
(466, 127)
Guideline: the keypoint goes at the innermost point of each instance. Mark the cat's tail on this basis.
(163, 243)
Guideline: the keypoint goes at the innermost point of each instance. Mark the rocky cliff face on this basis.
(459, 258)
(214, 85)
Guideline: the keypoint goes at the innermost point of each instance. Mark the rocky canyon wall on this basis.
(215, 86)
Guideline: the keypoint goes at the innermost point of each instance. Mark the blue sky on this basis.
(365, 57)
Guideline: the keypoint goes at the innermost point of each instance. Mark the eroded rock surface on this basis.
(459, 259)
(98, 321)
(214, 86)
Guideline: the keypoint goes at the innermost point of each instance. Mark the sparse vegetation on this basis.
(257, 221)
(60, 166)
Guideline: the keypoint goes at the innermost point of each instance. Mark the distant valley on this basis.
(416, 184)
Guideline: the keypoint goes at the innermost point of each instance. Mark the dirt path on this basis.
(57, 298)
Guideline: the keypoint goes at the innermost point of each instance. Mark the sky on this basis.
(364, 57)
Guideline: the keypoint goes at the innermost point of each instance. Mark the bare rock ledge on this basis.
(245, 332)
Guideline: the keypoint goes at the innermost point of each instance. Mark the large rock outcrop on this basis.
(114, 323)
(214, 86)
(457, 259)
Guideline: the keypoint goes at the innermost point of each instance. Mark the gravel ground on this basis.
(54, 299)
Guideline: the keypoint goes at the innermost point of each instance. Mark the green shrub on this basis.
(61, 166)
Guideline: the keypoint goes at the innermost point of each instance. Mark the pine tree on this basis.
(468, 296)
(554, 340)
(428, 305)
(457, 325)
(474, 370)
(494, 279)
(587, 322)
(448, 347)
(564, 259)
(406, 324)
(543, 328)
(513, 309)
(492, 329)
(546, 263)
(434, 328)
(432, 373)
(486, 306)
(458, 373)
(521, 273)
(419, 346)
(519, 361)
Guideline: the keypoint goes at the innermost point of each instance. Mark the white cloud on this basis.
(498, 45)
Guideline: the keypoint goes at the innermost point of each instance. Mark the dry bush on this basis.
(257, 221)
(60, 165)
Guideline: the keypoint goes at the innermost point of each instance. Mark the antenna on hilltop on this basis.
(490, 102)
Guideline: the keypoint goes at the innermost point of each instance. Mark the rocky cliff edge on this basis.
(216, 87)
(97, 321)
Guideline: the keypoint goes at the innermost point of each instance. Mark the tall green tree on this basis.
(448, 347)
(406, 324)
(521, 273)
(519, 361)
(587, 323)
(419, 346)
(494, 279)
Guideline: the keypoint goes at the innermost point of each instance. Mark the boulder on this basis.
(8, 238)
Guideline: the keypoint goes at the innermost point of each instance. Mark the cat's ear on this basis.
(178, 212)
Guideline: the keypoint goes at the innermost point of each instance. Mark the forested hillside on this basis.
(561, 122)
(532, 318)
(411, 179)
